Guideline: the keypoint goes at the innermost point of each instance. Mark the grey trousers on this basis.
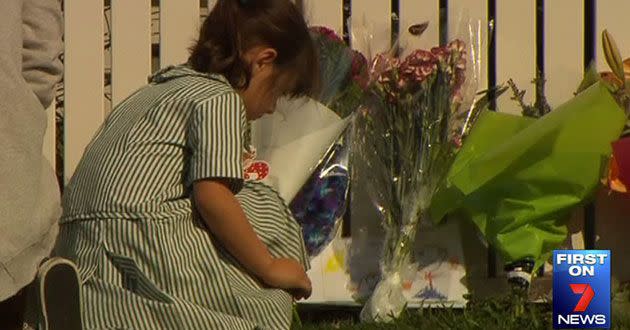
(30, 44)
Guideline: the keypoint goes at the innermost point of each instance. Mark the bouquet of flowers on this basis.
(408, 130)
(518, 178)
(618, 81)
(343, 72)
(321, 203)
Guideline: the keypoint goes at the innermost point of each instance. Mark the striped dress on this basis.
(145, 257)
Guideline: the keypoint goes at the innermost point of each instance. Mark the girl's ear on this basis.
(265, 56)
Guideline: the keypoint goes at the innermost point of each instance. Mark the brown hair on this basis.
(235, 26)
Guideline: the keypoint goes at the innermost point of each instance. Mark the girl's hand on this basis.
(225, 218)
(288, 274)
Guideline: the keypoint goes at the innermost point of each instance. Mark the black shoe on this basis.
(59, 289)
(519, 274)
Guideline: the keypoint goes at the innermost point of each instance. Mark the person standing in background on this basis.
(30, 67)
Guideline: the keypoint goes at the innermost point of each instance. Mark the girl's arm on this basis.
(224, 217)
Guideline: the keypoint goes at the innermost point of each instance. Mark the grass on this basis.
(510, 311)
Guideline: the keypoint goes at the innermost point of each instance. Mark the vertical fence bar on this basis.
(83, 81)
(589, 58)
(564, 49)
(443, 21)
(491, 63)
(563, 58)
(459, 12)
(394, 21)
(415, 12)
(50, 142)
(346, 225)
(346, 14)
(179, 24)
(327, 13)
(131, 46)
(370, 26)
(540, 47)
(369, 33)
(492, 57)
(515, 49)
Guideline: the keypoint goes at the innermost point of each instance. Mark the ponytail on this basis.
(218, 49)
(235, 26)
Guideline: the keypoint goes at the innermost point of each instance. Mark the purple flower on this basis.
(319, 206)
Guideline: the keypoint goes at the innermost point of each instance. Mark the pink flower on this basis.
(383, 62)
(385, 77)
(401, 84)
(418, 65)
(459, 79)
(456, 46)
(420, 56)
(385, 71)
(428, 68)
(457, 141)
(461, 63)
(384, 68)
(441, 53)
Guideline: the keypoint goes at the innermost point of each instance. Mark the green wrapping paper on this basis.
(519, 178)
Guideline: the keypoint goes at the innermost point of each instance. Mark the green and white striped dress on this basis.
(145, 257)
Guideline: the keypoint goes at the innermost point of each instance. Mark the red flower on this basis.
(359, 69)
(326, 32)
(619, 166)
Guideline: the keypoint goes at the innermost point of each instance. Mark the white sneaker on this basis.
(519, 274)
(59, 290)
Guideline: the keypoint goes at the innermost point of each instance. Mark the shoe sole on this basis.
(60, 295)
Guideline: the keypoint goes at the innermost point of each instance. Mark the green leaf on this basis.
(591, 77)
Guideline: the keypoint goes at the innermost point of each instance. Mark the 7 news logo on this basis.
(581, 289)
